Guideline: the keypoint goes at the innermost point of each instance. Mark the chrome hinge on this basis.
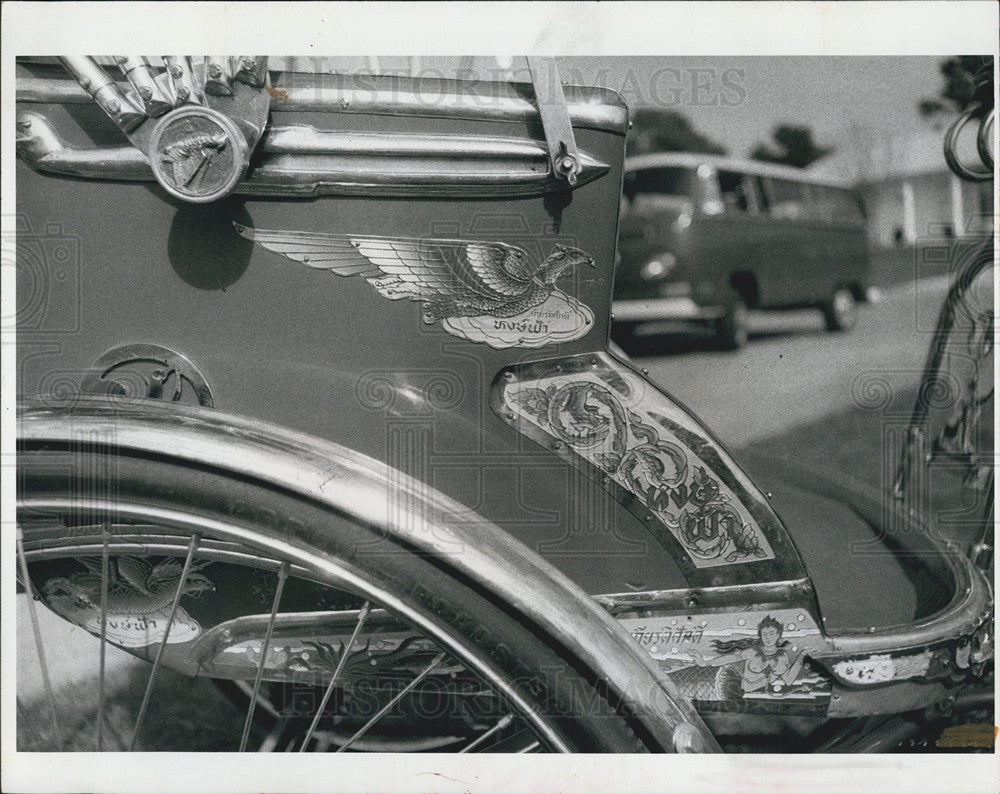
(551, 101)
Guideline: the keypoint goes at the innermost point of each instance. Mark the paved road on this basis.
(793, 371)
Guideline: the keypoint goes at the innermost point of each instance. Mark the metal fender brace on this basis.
(558, 128)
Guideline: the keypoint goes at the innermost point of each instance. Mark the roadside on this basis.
(792, 371)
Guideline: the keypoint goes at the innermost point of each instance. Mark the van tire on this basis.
(731, 327)
(840, 310)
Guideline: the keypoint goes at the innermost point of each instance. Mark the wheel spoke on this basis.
(192, 547)
(282, 576)
(402, 693)
(503, 722)
(362, 616)
(42, 666)
(105, 533)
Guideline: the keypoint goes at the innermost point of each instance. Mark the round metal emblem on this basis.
(147, 372)
(198, 154)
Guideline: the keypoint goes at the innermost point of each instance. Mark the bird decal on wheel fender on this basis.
(488, 292)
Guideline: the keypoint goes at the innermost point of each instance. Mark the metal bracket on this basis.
(552, 106)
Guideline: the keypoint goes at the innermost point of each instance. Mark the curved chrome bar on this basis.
(299, 160)
(294, 91)
(951, 153)
(428, 521)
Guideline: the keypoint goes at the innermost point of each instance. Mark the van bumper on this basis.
(651, 309)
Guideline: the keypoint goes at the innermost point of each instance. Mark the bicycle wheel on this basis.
(333, 633)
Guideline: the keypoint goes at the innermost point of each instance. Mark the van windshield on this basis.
(657, 187)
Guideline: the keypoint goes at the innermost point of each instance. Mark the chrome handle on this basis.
(982, 144)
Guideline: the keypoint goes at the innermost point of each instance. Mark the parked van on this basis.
(703, 238)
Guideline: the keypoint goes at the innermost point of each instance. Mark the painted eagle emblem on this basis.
(452, 278)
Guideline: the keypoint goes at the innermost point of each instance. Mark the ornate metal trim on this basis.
(483, 291)
(657, 460)
(170, 375)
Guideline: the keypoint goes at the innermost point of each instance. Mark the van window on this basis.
(653, 185)
(785, 198)
(736, 190)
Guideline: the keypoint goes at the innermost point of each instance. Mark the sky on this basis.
(738, 100)
(856, 104)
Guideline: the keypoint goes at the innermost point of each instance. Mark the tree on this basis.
(663, 130)
(967, 79)
(795, 146)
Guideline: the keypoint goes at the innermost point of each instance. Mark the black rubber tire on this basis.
(569, 697)
(731, 328)
(840, 311)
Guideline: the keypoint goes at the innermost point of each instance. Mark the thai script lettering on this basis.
(522, 326)
(132, 623)
(680, 635)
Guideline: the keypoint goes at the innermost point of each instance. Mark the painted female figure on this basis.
(769, 664)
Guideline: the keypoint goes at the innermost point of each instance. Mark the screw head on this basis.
(146, 92)
(183, 92)
(214, 70)
(114, 106)
(249, 64)
(345, 102)
(176, 72)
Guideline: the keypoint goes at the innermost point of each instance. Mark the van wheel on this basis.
(731, 328)
(840, 311)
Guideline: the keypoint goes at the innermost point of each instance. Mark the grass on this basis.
(185, 715)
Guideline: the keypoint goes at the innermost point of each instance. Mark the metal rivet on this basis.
(114, 106)
(215, 70)
(644, 371)
(182, 92)
(146, 92)
(85, 83)
(508, 376)
(176, 72)
(345, 102)
(249, 64)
